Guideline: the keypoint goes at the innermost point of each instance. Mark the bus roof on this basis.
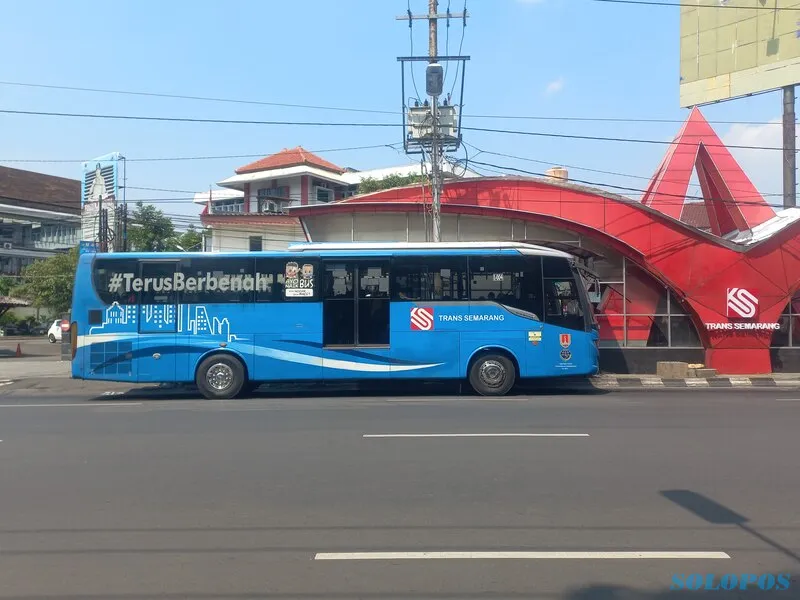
(450, 246)
(323, 249)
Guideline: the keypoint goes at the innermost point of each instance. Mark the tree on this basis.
(370, 184)
(190, 240)
(150, 230)
(49, 282)
(6, 283)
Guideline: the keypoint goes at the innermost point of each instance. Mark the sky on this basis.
(545, 58)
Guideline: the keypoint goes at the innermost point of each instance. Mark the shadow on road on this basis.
(539, 387)
(717, 514)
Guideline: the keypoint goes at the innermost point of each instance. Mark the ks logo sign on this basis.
(741, 304)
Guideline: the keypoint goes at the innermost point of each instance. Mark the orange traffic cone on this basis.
(19, 351)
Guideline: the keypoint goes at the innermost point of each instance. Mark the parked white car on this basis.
(54, 333)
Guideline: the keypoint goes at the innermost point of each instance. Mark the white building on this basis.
(253, 211)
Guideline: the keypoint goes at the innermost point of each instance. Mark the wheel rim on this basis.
(219, 376)
(492, 373)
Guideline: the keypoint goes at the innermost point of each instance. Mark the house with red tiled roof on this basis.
(252, 210)
(292, 176)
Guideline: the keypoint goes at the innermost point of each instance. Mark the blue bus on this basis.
(490, 313)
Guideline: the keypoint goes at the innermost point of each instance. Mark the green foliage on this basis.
(150, 230)
(49, 282)
(370, 184)
(190, 240)
(8, 318)
(6, 284)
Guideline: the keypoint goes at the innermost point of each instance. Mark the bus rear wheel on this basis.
(220, 377)
(492, 375)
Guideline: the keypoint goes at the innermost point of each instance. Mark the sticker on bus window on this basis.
(299, 283)
(291, 270)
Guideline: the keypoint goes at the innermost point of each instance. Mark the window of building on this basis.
(636, 311)
(324, 195)
(789, 321)
(256, 243)
(233, 205)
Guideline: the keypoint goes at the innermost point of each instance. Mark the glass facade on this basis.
(55, 236)
(789, 333)
(636, 311)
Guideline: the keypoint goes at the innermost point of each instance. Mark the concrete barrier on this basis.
(672, 369)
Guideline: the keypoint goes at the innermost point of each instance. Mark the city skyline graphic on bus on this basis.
(164, 318)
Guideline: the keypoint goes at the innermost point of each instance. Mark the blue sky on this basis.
(556, 58)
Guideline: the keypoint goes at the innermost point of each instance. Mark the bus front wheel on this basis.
(220, 377)
(492, 375)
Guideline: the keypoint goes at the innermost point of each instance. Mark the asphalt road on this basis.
(29, 345)
(123, 499)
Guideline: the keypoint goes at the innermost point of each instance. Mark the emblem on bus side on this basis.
(565, 339)
(421, 319)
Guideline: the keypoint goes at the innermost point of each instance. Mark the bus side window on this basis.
(105, 269)
(429, 278)
(154, 274)
(287, 279)
(514, 281)
(230, 277)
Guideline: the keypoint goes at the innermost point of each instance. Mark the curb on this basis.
(609, 382)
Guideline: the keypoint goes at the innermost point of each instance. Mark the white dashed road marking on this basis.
(472, 435)
(85, 404)
(519, 555)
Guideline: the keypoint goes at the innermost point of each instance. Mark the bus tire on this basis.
(220, 377)
(492, 374)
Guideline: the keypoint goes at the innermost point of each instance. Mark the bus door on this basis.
(158, 322)
(355, 319)
(429, 309)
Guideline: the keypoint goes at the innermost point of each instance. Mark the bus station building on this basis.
(712, 280)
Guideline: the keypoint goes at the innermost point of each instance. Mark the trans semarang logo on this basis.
(741, 304)
(421, 319)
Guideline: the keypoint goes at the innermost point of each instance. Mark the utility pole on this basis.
(435, 128)
(101, 226)
(436, 175)
(789, 147)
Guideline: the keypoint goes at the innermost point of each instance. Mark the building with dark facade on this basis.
(40, 215)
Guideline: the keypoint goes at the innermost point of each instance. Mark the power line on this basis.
(180, 158)
(152, 189)
(374, 111)
(680, 5)
(194, 120)
(612, 139)
(612, 119)
(680, 198)
(588, 169)
(201, 98)
(411, 39)
(380, 125)
(446, 40)
(460, 44)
